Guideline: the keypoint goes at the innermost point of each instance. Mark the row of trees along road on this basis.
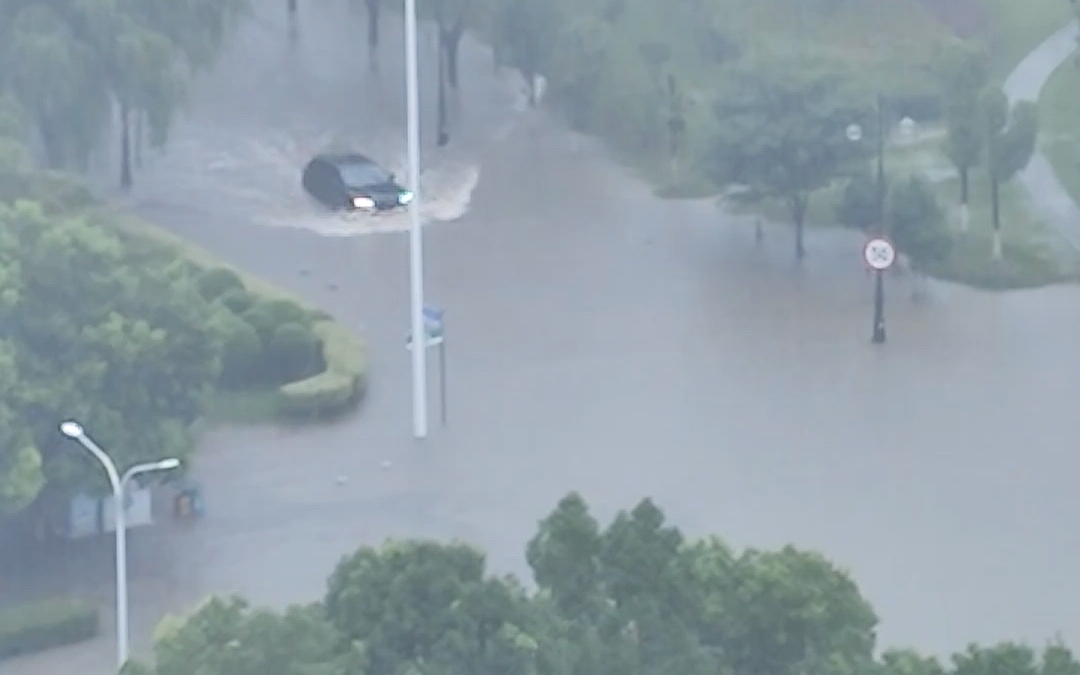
(72, 63)
(634, 598)
(778, 118)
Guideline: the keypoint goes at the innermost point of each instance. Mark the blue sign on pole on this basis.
(433, 337)
(433, 327)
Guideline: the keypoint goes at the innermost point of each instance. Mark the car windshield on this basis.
(361, 174)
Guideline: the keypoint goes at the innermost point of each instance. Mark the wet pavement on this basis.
(602, 340)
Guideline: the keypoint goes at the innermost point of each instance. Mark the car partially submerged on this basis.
(349, 181)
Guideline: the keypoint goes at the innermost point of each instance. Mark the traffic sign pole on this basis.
(879, 254)
(433, 336)
(878, 336)
(442, 380)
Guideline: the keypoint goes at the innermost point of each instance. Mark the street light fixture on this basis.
(74, 431)
(854, 134)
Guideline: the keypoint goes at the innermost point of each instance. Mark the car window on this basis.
(359, 174)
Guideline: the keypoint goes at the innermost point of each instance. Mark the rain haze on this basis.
(626, 313)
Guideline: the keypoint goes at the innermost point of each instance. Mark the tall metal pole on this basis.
(416, 252)
(121, 576)
(117, 485)
(878, 336)
(75, 432)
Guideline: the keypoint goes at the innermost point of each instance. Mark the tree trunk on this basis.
(54, 149)
(530, 87)
(452, 43)
(140, 116)
(373, 24)
(443, 135)
(995, 214)
(798, 214)
(965, 214)
(125, 146)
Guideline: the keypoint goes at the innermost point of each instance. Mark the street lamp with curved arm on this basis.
(74, 431)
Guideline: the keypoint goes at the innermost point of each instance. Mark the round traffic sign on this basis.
(879, 253)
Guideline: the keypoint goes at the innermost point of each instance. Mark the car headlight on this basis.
(363, 202)
(405, 197)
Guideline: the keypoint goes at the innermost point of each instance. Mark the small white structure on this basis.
(137, 509)
(90, 516)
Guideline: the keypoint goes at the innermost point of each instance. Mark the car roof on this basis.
(339, 158)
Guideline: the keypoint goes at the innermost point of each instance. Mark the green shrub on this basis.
(55, 191)
(216, 282)
(857, 206)
(918, 224)
(241, 353)
(269, 313)
(336, 390)
(238, 300)
(51, 623)
(294, 352)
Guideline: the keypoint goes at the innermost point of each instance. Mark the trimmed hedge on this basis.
(38, 626)
(336, 390)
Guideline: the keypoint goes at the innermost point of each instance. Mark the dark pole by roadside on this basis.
(443, 137)
(879, 281)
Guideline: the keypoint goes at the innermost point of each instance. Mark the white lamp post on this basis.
(75, 432)
(416, 241)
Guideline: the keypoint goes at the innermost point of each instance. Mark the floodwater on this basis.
(602, 340)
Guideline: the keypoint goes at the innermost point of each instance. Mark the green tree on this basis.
(908, 662)
(527, 33)
(964, 75)
(668, 607)
(565, 556)
(21, 476)
(58, 79)
(918, 224)
(453, 18)
(1010, 142)
(858, 206)
(227, 637)
(790, 612)
(425, 606)
(1011, 658)
(782, 134)
(75, 58)
(124, 346)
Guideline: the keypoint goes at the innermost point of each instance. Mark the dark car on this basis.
(352, 182)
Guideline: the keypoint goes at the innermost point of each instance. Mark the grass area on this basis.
(1020, 25)
(1034, 254)
(227, 408)
(127, 223)
(1059, 113)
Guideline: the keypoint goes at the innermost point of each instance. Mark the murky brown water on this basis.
(602, 340)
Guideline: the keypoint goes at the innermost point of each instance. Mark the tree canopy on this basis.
(633, 598)
(68, 62)
(782, 134)
(128, 338)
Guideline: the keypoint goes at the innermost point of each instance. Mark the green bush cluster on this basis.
(265, 342)
(38, 626)
(339, 387)
(315, 364)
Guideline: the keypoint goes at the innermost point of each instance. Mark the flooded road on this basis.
(605, 341)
